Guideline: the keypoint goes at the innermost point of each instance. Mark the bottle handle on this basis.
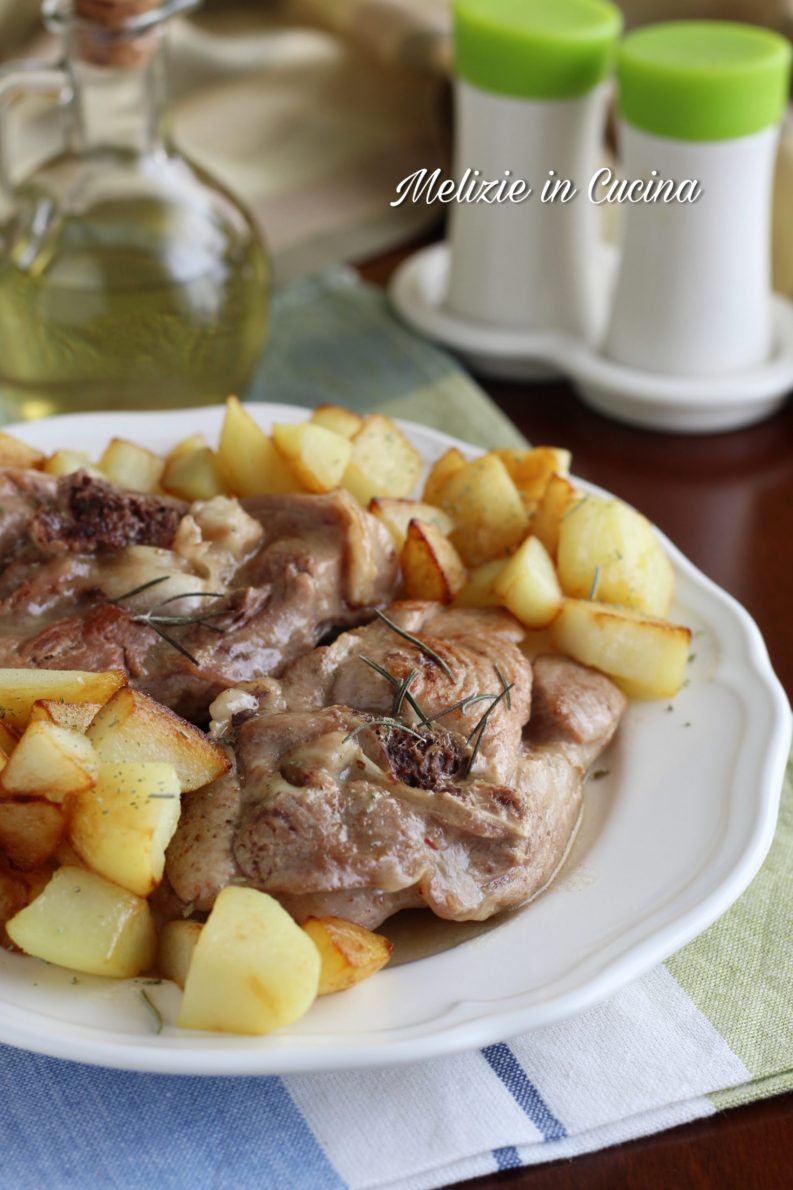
(18, 79)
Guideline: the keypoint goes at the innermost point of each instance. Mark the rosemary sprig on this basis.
(481, 727)
(414, 640)
(595, 583)
(504, 686)
(384, 721)
(463, 704)
(400, 692)
(153, 582)
(398, 684)
(156, 1015)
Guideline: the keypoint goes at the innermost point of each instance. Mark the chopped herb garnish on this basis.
(383, 721)
(153, 1010)
(669, 708)
(189, 909)
(504, 686)
(599, 774)
(691, 657)
(595, 581)
(414, 640)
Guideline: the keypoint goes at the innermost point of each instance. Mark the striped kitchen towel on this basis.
(710, 1028)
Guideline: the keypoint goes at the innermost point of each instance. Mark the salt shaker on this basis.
(699, 101)
(531, 97)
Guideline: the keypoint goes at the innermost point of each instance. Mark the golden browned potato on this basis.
(88, 924)
(8, 739)
(450, 462)
(396, 515)
(646, 657)
(186, 446)
(131, 466)
(194, 475)
(17, 454)
(608, 551)
(383, 461)
(339, 420)
(133, 727)
(122, 826)
(50, 762)
(528, 587)
(558, 497)
(431, 566)
(175, 952)
(250, 462)
(74, 715)
(486, 508)
(348, 952)
(316, 456)
(479, 591)
(531, 469)
(253, 968)
(66, 462)
(30, 832)
(20, 688)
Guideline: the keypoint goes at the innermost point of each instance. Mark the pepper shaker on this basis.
(531, 97)
(699, 101)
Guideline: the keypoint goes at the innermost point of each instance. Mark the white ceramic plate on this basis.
(670, 838)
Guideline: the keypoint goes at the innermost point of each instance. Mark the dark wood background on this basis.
(727, 501)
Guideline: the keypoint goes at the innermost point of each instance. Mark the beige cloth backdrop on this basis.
(313, 110)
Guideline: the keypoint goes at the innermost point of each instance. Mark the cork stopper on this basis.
(104, 37)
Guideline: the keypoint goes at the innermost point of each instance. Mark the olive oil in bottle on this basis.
(128, 278)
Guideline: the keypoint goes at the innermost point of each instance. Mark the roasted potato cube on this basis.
(339, 420)
(133, 727)
(479, 591)
(8, 740)
(76, 716)
(431, 566)
(186, 446)
(558, 497)
(122, 826)
(383, 462)
(253, 968)
(531, 469)
(251, 464)
(88, 924)
(608, 551)
(486, 508)
(528, 587)
(20, 688)
(348, 953)
(396, 515)
(30, 832)
(17, 454)
(50, 762)
(177, 942)
(646, 657)
(317, 457)
(450, 462)
(131, 466)
(66, 462)
(194, 475)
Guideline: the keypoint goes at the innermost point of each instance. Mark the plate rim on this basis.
(140, 1053)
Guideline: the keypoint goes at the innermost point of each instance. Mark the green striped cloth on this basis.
(335, 336)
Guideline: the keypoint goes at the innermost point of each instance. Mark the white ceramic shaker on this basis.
(531, 98)
(698, 100)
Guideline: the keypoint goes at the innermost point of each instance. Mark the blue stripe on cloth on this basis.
(502, 1060)
(507, 1158)
(70, 1126)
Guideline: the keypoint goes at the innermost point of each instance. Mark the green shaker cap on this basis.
(535, 49)
(703, 80)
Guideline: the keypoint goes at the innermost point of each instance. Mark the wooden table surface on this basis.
(727, 501)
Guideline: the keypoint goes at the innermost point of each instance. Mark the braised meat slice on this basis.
(334, 808)
(187, 600)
